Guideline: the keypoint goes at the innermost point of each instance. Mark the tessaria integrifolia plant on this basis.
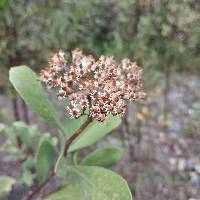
(97, 93)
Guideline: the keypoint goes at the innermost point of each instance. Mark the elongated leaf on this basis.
(25, 82)
(10, 134)
(105, 157)
(26, 177)
(95, 132)
(6, 183)
(44, 158)
(87, 183)
(22, 131)
(61, 167)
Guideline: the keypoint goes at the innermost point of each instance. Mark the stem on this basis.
(17, 117)
(15, 109)
(166, 97)
(33, 192)
(75, 135)
(67, 145)
(25, 112)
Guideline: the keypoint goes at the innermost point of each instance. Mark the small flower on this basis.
(101, 117)
(102, 87)
(57, 61)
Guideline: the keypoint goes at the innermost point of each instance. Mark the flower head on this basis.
(101, 86)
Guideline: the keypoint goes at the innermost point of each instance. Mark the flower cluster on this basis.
(100, 86)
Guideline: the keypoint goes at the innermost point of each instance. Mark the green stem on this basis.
(75, 135)
(67, 145)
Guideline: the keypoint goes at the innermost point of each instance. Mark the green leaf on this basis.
(61, 167)
(23, 132)
(6, 183)
(2, 127)
(44, 158)
(94, 132)
(105, 157)
(25, 82)
(87, 183)
(26, 178)
(10, 134)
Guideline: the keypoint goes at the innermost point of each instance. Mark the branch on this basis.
(75, 135)
(33, 192)
(67, 145)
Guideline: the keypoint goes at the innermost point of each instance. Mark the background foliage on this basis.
(163, 36)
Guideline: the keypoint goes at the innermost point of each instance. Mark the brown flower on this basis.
(102, 87)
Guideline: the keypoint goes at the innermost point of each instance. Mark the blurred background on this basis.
(161, 135)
